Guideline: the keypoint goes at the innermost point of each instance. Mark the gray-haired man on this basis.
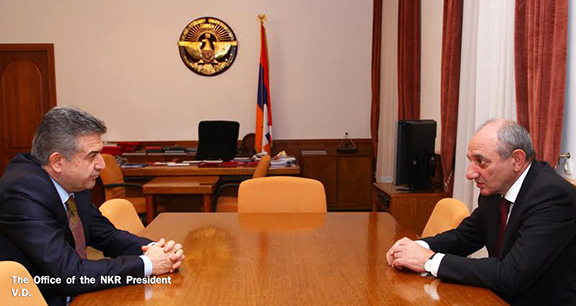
(526, 218)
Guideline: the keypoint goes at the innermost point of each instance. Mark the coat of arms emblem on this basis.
(208, 46)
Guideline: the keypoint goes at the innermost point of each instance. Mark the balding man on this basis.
(526, 218)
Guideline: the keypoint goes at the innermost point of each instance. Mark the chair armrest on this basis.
(219, 191)
(234, 179)
(134, 185)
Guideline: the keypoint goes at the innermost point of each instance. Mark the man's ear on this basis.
(519, 158)
(55, 161)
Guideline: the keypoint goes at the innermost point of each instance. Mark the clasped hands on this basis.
(165, 256)
(406, 253)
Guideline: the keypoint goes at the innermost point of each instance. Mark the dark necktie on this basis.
(76, 227)
(504, 209)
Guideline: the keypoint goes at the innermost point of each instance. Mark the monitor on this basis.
(415, 158)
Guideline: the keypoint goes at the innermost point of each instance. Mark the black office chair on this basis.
(217, 140)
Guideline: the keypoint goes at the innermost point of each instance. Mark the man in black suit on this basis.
(526, 217)
(47, 218)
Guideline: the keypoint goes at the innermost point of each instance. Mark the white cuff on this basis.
(435, 264)
(147, 265)
(436, 259)
(423, 244)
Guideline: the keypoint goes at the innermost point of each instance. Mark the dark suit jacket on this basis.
(34, 231)
(537, 261)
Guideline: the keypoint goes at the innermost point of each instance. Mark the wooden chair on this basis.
(229, 203)
(248, 148)
(115, 187)
(32, 297)
(281, 194)
(447, 215)
(123, 215)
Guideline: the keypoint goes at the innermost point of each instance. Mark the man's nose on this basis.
(471, 172)
(100, 164)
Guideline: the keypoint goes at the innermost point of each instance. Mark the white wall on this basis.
(119, 60)
(569, 127)
(431, 62)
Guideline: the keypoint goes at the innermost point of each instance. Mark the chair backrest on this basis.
(447, 215)
(281, 194)
(248, 146)
(112, 175)
(26, 294)
(123, 215)
(262, 168)
(217, 140)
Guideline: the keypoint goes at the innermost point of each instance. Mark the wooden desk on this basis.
(198, 171)
(410, 208)
(287, 259)
(178, 185)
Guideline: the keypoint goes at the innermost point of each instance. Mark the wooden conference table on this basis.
(286, 259)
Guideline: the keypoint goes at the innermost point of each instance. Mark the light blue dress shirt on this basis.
(64, 196)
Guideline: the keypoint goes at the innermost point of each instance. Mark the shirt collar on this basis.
(64, 195)
(512, 193)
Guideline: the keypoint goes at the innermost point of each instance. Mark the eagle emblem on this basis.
(208, 46)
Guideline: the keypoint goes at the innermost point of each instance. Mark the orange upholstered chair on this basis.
(12, 268)
(281, 194)
(123, 215)
(115, 187)
(230, 204)
(447, 215)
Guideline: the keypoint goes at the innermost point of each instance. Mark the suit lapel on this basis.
(513, 221)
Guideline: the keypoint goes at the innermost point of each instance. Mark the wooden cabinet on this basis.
(412, 209)
(347, 178)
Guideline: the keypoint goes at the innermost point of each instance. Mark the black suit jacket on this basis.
(34, 231)
(537, 261)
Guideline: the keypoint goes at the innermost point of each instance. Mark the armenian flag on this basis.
(263, 141)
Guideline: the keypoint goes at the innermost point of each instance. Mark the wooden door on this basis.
(27, 92)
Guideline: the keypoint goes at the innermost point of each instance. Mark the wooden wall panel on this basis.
(354, 181)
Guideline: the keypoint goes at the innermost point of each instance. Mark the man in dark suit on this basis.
(47, 218)
(526, 218)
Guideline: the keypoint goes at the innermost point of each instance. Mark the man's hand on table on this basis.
(165, 256)
(406, 253)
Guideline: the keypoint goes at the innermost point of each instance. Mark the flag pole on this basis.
(264, 139)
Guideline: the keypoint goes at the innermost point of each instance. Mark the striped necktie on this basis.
(76, 227)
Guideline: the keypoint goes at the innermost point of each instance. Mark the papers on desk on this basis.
(191, 162)
(171, 164)
(194, 162)
(283, 162)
